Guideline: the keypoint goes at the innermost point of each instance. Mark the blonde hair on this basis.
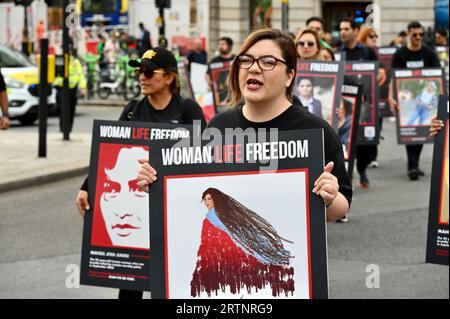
(316, 37)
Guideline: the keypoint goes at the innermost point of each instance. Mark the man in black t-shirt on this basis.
(414, 55)
(225, 56)
(197, 54)
(356, 51)
(4, 115)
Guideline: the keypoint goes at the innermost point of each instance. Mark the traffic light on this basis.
(162, 4)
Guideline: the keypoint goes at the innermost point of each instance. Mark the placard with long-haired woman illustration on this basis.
(239, 250)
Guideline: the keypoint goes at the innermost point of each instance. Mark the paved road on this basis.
(41, 235)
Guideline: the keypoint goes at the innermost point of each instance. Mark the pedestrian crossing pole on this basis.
(65, 109)
(285, 15)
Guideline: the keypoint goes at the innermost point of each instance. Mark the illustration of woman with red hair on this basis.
(239, 250)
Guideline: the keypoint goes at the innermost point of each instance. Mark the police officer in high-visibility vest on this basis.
(77, 81)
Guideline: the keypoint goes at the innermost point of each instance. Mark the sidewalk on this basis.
(21, 167)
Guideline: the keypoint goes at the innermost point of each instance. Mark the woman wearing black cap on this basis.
(158, 77)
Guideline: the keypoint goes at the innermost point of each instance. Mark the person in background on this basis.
(414, 55)
(224, 48)
(317, 24)
(400, 40)
(144, 41)
(327, 54)
(441, 38)
(308, 45)
(355, 51)
(4, 115)
(77, 81)
(197, 54)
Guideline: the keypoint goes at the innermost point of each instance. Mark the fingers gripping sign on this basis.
(147, 175)
(326, 186)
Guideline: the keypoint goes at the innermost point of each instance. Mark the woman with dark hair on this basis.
(261, 83)
(305, 91)
(345, 121)
(259, 257)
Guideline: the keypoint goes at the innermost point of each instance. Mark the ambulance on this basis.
(22, 84)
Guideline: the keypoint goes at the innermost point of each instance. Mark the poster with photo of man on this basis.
(348, 122)
(219, 73)
(216, 227)
(318, 87)
(438, 239)
(385, 56)
(116, 239)
(417, 94)
(365, 73)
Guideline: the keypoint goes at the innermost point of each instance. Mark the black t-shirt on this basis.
(2, 82)
(407, 59)
(178, 111)
(220, 59)
(360, 53)
(294, 118)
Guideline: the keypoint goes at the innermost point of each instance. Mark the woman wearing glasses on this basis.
(261, 83)
(158, 77)
(308, 45)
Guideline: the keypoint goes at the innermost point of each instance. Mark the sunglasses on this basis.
(309, 44)
(147, 74)
(373, 36)
(417, 35)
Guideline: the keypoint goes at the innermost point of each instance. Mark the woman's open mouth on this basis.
(254, 84)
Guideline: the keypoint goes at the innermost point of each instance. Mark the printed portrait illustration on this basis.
(224, 241)
(185, 86)
(418, 101)
(317, 94)
(444, 207)
(239, 250)
(121, 211)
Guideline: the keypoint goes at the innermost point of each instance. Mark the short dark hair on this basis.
(442, 32)
(318, 19)
(402, 33)
(228, 40)
(352, 22)
(414, 25)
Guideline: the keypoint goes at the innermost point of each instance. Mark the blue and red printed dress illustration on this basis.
(239, 252)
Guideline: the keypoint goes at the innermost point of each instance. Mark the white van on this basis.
(22, 83)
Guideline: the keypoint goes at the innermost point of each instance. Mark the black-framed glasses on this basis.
(309, 44)
(265, 62)
(148, 74)
(416, 35)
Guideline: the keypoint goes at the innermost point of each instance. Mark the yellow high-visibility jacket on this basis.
(76, 75)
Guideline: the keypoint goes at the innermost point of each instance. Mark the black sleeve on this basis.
(125, 116)
(434, 60)
(2, 83)
(372, 55)
(397, 61)
(192, 111)
(85, 185)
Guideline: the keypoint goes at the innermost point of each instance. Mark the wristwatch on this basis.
(5, 114)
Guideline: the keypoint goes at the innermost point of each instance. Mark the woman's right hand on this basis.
(82, 202)
(147, 175)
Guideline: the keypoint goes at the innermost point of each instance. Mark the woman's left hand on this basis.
(436, 126)
(327, 186)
